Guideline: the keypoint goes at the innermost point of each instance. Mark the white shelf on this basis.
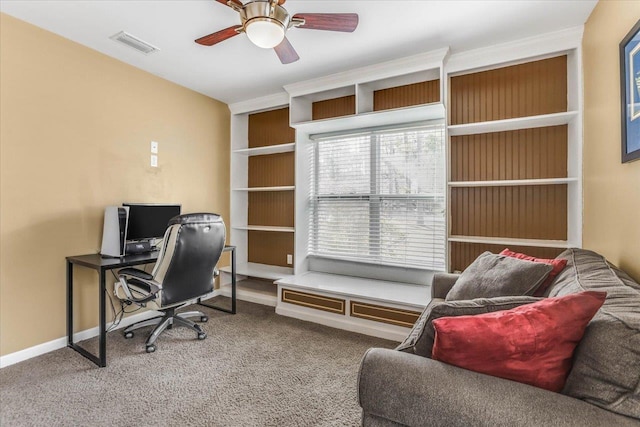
(513, 124)
(261, 271)
(282, 188)
(512, 182)
(374, 119)
(263, 228)
(270, 149)
(513, 242)
(255, 291)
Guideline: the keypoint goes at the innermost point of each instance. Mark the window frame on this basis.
(374, 198)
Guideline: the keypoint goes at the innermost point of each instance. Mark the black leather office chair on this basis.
(183, 273)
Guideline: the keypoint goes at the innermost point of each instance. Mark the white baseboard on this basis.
(389, 332)
(37, 350)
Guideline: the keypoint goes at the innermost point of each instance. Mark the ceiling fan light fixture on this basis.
(265, 22)
(266, 33)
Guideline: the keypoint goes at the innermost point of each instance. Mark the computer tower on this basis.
(114, 231)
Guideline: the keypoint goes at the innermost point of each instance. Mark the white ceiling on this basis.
(236, 70)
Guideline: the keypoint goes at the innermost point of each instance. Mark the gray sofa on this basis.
(406, 387)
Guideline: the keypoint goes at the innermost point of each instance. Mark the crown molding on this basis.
(547, 44)
(410, 64)
(263, 103)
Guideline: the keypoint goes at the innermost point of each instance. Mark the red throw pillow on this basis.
(531, 344)
(558, 266)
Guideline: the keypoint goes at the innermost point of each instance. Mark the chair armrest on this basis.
(442, 283)
(134, 274)
(417, 391)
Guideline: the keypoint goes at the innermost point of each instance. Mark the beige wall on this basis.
(611, 189)
(75, 132)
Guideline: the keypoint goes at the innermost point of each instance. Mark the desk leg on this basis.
(69, 304)
(233, 288)
(233, 281)
(103, 320)
(102, 360)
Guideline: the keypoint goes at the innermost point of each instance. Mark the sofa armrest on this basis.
(442, 283)
(415, 391)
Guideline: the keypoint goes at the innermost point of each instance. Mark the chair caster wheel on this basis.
(128, 335)
(202, 335)
(151, 348)
(204, 318)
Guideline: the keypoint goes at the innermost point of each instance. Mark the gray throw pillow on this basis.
(420, 340)
(493, 275)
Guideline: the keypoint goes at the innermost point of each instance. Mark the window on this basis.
(379, 197)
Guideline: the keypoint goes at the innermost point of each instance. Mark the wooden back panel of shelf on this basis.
(336, 107)
(270, 128)
(525, 212)
(275, 208)
(272, 170)
(271, 248)
(383, 99)
(529, 89)
(407, 95)
(521, 154)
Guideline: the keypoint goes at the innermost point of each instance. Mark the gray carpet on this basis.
(255, 369)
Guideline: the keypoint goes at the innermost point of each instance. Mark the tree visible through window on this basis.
(379, 197)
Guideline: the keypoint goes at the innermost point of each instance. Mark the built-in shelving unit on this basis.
(513, 123)
(262, 200)
(514, 179)
(387, 94)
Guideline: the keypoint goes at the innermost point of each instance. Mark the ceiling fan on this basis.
(266, 21)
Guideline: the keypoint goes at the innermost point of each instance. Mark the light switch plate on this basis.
(154, 147)
(289, 259)
(154, 161)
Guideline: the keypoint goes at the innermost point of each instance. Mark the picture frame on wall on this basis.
(630, 94)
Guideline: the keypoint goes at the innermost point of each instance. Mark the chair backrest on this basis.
(192, 247)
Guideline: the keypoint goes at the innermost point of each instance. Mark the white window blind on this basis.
(379, 197)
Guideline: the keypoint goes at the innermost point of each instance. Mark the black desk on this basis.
(102, 265)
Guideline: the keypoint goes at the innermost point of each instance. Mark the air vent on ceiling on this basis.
(134, 42)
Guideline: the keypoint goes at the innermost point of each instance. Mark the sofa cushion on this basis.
(606, 368)
(493, 275)
(532, 344)
(420, 340)
(557, 264)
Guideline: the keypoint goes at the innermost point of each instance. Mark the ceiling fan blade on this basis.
(286, 52)
(226, 2)
(219, 36)
(346, 22)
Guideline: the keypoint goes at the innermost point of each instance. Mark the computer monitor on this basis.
(149, 221)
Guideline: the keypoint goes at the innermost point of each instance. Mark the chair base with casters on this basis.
(167, 320)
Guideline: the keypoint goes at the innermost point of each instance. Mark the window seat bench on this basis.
(373, 307)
